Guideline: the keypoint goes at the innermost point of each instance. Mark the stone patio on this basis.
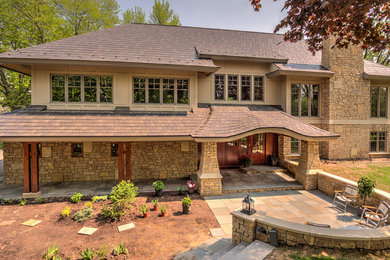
(296, 206)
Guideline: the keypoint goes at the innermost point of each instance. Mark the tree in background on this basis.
(134, 15)
(163, 15)
(25, 23)
(365, 22)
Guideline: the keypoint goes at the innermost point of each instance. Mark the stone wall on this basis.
(309, 162)
(208, 176)
(149, 160)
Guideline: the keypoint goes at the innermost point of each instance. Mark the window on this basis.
(114, 150)
(232, 87)
(239, 87)
(295, 146)
(377, 141)
(160, 91)
(258, 143)
(378, 101)
(304, 99)
(77, 88)
(219, 83)
(77, 150)
(258, 88)
(244, 145)
(246, 83)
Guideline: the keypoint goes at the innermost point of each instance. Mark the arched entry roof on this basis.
(226, 123)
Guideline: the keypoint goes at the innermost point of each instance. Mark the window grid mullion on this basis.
(175, 92)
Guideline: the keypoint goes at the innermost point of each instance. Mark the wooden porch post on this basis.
(34, 168)
(128, 161)
(26, 159)
(120, 162)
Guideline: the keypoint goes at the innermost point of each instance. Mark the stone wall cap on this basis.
(246, 217)
(212, 175)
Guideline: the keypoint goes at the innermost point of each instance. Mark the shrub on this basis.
(120, 250)
(39, 200)
(158, 185)
(99, 198)
(102, 252)
(88, 204)
(22, 202)
(155, 203)
(144, 209)
(10, 201)
(1, 200)
(51, 253)
(246, 161)
(87, 254)
(65, 212)
(180, 189)
(163, 208)
(108, 212)
(186, 201)
(83, 214)
(365, 187)
(76, 197)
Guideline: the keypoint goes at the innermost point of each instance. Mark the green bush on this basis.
(158, 185)
(51, 253)
(22, 202)
(186, 201)
(99, 198)
(246, 162)
(39, 200)
(65, 212)
(163, 208)
(144, 209)
(155, 202)
(10, 201)
(87, 254)
(83, 214)
(365, 187)
(109, 212)
(76, 197)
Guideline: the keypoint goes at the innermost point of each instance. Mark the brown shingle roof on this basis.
(376, 70)
(218, 122)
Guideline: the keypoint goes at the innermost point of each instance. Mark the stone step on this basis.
(262, 189)
(256, 250)
(230, 255)
(263, 169)
(222, 251)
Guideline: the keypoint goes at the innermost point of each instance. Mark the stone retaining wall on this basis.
(149, 160)
(248, 228)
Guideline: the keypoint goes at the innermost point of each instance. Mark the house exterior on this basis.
(159, 102)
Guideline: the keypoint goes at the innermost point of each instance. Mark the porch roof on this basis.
(214, 123)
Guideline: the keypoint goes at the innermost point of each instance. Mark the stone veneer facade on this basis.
(149, 160)
(209, 177)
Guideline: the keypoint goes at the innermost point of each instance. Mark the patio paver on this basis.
(126, 227)
(31, 222)
(87, 231)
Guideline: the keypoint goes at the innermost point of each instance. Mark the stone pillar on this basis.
(283, 149)
(208, 177)
(308, 165)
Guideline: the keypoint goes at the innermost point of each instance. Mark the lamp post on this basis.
(248, 205)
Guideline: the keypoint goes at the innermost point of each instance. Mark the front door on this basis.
(256, 149)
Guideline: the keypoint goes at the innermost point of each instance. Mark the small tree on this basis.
(365, 187)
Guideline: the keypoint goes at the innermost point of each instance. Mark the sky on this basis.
(223, 14)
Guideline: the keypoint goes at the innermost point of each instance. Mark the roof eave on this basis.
(375, 76)
(280, 72)
(242, 58)
(164, 66)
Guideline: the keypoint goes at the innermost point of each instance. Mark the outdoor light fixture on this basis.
(248, 205)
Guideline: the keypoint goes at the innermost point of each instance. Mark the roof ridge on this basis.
(198, 129)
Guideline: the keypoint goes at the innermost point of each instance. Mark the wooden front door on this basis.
(228, 154)
(256, 149)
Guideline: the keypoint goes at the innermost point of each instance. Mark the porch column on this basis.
(308, 165)
(208, 177)
(120, 162)
(128, 161)
(31, 169)
(283, 149)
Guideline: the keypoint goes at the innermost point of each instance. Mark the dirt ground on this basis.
(153, 237)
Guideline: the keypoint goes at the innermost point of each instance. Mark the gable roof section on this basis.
(373, 70)
(218, 123)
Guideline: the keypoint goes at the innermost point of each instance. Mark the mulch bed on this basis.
(153, 237)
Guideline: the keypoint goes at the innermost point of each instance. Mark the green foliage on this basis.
(144, 209)
(155, 202)
(39, 200)
(134, 15)
(186, 201)
(88, 204)
(121, 196)
(102, 252)
(299, 257)
(15, 89)
(1, 200)
(65, 212)
(76, 197)
(366, 186)
(83, 214)
(87, 254)
(99, 198)
(120, 250)
(22, 202)
(180, 189)
(51, 253)
(158, 185)
(246, 161)
(10, 201)
(163, 15)
(163, 208)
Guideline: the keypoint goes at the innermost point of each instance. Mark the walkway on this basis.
(294, 205)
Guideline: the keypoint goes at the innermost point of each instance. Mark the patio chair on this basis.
(374, 217)
(343, 198)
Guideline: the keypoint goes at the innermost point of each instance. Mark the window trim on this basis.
(378, 102)
(82, 150)
(239, 88)
(161, 78)
(82, 87)
(377, 142)
(300, 99)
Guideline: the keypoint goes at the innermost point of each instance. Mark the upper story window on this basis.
(377, 141)
(78, 88)
(304, 99)
(238, 87)
(77, 150)
(160, 91)
(378, 101)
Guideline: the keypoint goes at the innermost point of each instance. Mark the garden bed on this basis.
(152, 237)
